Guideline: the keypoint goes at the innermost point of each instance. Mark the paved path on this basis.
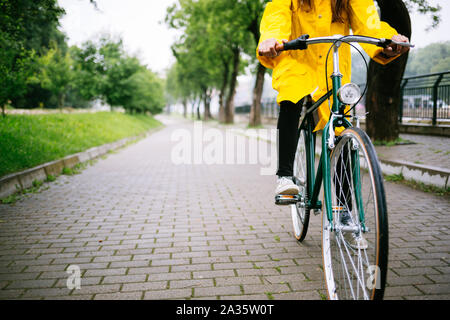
(140, 227)
(427, 150)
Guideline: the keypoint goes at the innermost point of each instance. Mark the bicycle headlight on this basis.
(349, 94)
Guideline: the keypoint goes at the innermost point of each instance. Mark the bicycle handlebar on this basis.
(302, 42)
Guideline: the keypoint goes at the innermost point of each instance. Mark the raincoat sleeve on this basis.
(364, 20)
(275, 23)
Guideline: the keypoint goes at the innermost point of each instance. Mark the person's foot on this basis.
(285, 186)
(355, 241)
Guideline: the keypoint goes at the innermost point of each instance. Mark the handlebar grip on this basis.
(384, 43)
(296, 44)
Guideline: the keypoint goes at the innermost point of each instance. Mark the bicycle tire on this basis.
(355, 262)
(299, 211)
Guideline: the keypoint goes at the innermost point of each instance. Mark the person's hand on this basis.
(270, 48)
(393, 50)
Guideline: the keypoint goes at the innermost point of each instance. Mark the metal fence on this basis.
(423, 97)
(269, 108)
(426, 97)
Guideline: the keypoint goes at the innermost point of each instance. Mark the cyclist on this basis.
(299, 73)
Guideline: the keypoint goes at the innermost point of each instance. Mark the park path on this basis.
(140, 227)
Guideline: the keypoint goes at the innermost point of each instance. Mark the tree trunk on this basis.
(198, 108)
(255, 111)
(207, 104)
(3, 110)
(229, 106)
(223, 88)
(222, 107)
(383, 92)
(184, 108)
(61, 98)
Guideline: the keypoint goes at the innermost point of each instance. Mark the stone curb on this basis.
(428, 175)
(22, 180)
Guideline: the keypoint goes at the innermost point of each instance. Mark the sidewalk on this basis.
(139, 226)
(424, 159)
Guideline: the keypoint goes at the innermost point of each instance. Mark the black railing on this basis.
(426, 97)
(423, 97)
(269, 108)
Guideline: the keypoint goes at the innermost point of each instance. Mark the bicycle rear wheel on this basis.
(355, 243)
(299, 211)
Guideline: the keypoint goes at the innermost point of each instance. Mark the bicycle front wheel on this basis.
(355, 242)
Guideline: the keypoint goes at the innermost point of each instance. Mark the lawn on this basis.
(29, 140)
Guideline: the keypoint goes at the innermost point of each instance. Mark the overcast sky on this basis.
(140, 24)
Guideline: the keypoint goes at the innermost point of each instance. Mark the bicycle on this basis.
(354, 216)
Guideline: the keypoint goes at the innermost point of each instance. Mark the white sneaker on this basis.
(285, 185)
(356, 242)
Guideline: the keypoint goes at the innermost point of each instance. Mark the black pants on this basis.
(288, 121)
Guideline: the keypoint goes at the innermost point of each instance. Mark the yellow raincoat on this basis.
(298, 73)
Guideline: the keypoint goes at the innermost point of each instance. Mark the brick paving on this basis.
(140, 227)
(426, 150)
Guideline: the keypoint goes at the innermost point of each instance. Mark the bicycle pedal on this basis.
(286, 199)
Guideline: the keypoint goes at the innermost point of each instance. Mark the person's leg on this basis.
(342, 182)
(288, 121)
(287, 126)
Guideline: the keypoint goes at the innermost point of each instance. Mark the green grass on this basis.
(269, 295)
(394, 177)
(29, 140)
(396, 142)
(399, 178)
(35, 188)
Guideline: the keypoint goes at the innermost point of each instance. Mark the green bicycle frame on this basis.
(315, 180)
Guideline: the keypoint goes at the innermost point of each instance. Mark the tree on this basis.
(197, 69)
(383, 93)
(231, 20)
(432, 58)
(148, 92)
(88, 70)
(209, 52)
(178, 86)
(26, 27)
(56, 73)
(117, 88)
(15, 69)
(102, 69)
(254, 10)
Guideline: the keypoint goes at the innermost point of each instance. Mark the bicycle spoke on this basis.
(358, 276)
